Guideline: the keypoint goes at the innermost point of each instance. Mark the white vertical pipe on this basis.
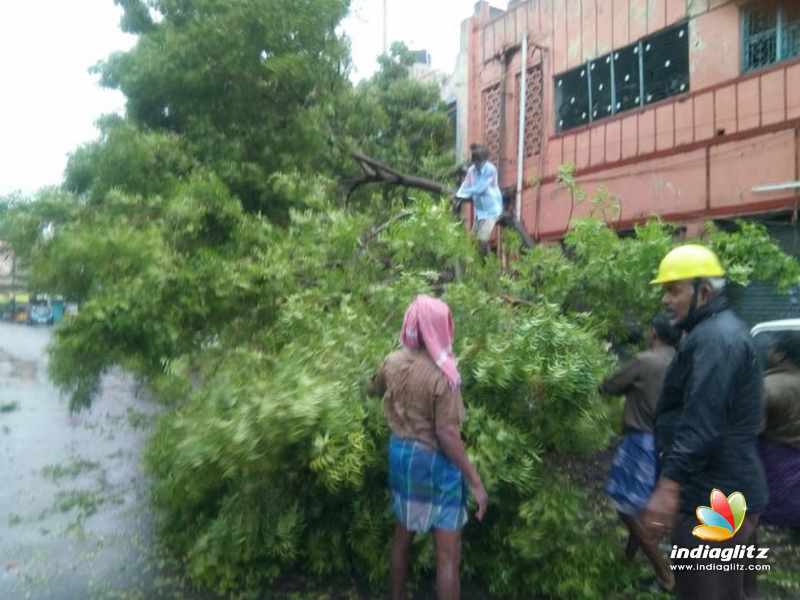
(523, 97)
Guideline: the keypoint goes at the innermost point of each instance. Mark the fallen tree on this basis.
(375, 171)
(213, 262)
(273, 461)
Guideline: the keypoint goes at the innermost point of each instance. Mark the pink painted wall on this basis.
(692, 156)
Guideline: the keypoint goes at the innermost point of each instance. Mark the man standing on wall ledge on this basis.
(480, 186)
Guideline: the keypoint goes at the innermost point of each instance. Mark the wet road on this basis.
(74, 514)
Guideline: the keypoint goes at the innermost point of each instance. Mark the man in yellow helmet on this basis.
(707, 423)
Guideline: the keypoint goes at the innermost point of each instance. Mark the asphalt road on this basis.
(74, 515)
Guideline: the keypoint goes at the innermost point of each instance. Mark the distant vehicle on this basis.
(19, 307)
(58, 306)
(40, 311)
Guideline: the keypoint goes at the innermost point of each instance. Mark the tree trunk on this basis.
(377, 172)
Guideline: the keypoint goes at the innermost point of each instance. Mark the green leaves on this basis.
(398, 120)
(750, 254)
(130, 160)
(613, 274)
(580, 564)
(285, 413)
(261, 339)
(241, 82)
(542, 369)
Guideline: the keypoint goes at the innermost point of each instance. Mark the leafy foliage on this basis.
(752, 255)
(276, 458)
(143, 163)
(577, 569)
(262, 339)
(229, 447)
(399, 119)
(204, 239)
(248, 85)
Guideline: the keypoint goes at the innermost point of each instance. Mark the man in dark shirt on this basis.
(780, 436)
(640, 379)
(707, 421)
(780, 441)
(633, 473)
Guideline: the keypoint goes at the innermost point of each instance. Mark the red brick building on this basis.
(687, 109)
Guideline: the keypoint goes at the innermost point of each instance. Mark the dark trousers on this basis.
(710, 585)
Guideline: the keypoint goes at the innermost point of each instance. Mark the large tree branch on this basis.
(379, 172)
(376, 171)
(352, 184)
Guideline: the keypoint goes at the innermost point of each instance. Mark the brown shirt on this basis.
(782, 404)
(416, 396)
(640, 381)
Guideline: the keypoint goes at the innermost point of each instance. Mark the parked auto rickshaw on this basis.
(58, 306)
(40, 311)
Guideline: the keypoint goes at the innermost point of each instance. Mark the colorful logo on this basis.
(722, 519)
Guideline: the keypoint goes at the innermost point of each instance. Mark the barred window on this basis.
(572, 98)
(653, 69)
(791, 30)
(602, 87)
(666, 64)
(771, 32)
(626, 78)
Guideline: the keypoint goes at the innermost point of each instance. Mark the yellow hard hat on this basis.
(688, 262)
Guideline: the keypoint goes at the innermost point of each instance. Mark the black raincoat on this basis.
(709, 412)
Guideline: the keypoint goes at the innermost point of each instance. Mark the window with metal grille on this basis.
(627, 85)
(572, 98)
(602, 87)
(771, 33)
(655, 68)
(666, 64)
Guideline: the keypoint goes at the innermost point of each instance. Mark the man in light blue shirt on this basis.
(480, 186)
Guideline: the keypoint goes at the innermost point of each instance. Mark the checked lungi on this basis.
(428, 490)
(633, 474)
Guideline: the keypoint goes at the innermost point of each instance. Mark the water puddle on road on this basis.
(12, 368)
(75, 520)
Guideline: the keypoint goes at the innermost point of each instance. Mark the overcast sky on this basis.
(49, 101)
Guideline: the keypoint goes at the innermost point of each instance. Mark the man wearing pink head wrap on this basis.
(428, 467)
(428, 325)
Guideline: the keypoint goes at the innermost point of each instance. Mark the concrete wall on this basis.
(458, 91)
(691, 156)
